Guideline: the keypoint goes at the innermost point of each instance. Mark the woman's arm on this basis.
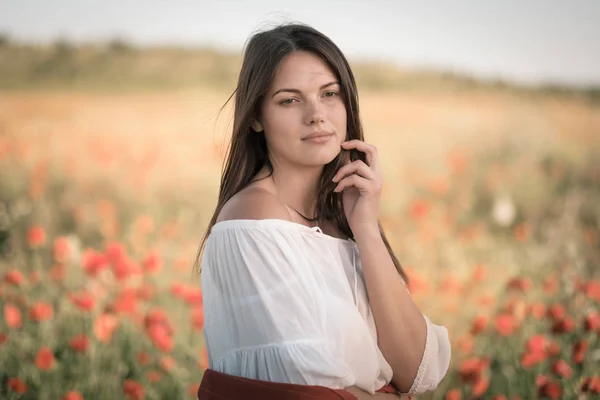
(416, 349)
(401, 327)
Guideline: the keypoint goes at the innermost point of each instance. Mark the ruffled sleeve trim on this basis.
(435, 360)
(300, 362)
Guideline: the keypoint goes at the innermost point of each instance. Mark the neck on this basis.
(298, 187)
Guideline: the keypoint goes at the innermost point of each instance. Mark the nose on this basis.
(314, 113)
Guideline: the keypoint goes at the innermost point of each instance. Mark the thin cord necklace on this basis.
(306, 218)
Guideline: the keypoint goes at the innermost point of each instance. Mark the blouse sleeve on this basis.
(262, 308)
(435, 361)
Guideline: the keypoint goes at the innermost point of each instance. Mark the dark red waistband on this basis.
(218, 386)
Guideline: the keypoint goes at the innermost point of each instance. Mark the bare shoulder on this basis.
(254, 203)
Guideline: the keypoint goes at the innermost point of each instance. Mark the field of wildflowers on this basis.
(491, 201)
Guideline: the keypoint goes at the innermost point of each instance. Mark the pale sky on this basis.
(529, 41)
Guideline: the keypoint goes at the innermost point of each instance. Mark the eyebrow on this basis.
(298, 91)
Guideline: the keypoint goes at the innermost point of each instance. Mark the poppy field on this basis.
(491, 202)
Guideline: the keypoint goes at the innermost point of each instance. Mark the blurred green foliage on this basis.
(119, 65)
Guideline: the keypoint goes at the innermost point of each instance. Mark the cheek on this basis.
(339, 117)
(277, 120)
(279, 128)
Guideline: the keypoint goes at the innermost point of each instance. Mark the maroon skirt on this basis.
(218, 386)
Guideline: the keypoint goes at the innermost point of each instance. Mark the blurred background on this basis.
(112, 137)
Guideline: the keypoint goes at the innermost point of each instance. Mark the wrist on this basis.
(366, 231)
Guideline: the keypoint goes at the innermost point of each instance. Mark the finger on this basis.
(368, 149)
(358, 167)
(353, 180)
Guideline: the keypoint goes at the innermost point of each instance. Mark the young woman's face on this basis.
(305, 99)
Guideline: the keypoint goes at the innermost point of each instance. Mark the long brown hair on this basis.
(247, 152)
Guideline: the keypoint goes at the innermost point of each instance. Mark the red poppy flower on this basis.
(203, 362)
(479, 273)
(44, 359)
(36, 236)
(61, 249)
(519, 284)
(591, 384)
(152, 262)
(16, 385)
(450, 284)
(126, 302)
(470, 370)
(104, 326)
(591, 321)
(14, 277)
(124, 268)
(167, 363)
(562, 369)
(115, 252)
(579, 349)
(72, 395)
(537, 310)
(529, 360)
(481, 386)
(133, 390)
(12, 316)
(157, 316)
(564, 326)
(550, 389)
(419, 210)
(154, 376)
(84, 301)
(146, 292)
(550, 285)
(41, 311)
(80, 343)
(193, 296)
(57, 273)
(556, 312)
(160, 336)
(453, 394)
(93, 262)
(178, 289)
(143, 358)
(505, 324)
(198, 318)
(592, 290)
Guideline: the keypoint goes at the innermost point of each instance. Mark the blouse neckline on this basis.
(282, 223)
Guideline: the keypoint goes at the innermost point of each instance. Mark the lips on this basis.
(316, 135)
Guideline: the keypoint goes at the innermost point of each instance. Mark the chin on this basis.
(321, 157)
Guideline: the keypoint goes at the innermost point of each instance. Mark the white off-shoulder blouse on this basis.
(284, 302)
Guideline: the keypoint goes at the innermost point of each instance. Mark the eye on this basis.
(287, 101)
(330, 94)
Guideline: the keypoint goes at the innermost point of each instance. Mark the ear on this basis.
(256, 126)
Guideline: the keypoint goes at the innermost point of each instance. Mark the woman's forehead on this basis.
(302, 69)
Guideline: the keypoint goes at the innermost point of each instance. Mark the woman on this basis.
(303, 295)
